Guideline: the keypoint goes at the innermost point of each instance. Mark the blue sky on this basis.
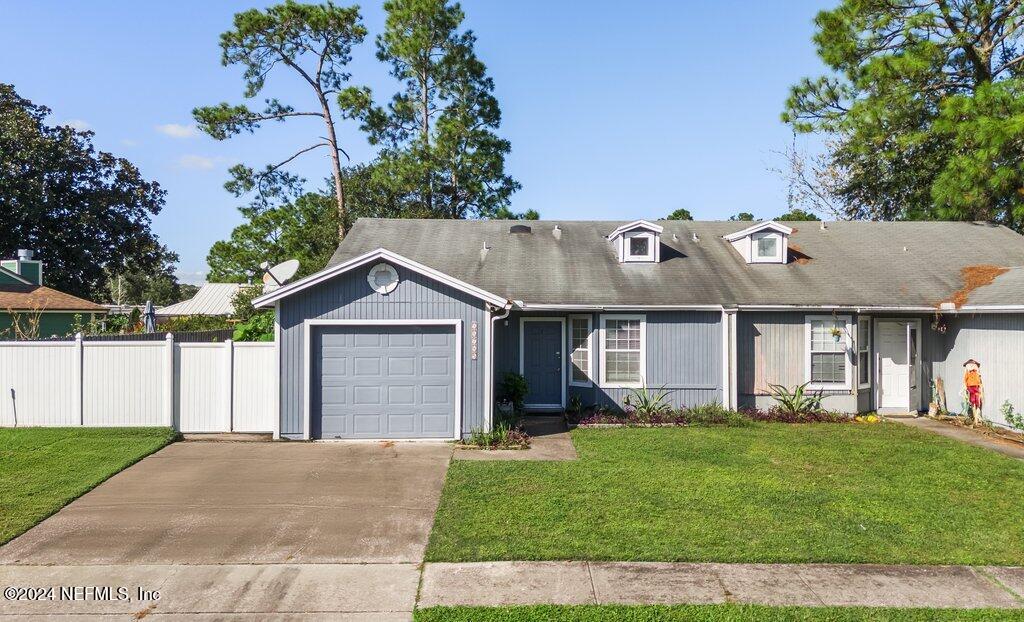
(615, 110)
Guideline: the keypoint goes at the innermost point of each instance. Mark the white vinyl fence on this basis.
(193, 387)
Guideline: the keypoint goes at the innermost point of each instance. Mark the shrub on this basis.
(714, 414)
(259, 327)
(1013, 418)
(776, 414)
(575, 406)
(797, 402)
(504, 436)
(514, 389)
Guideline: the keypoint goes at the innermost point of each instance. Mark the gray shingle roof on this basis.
(905, 264)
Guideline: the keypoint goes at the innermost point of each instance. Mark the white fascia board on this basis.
(567, 307)
(761, 226)
(892, 308)
(380, 253)
(13, 274)
(636, 224)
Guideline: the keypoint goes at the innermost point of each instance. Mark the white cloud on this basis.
(128, 142)
(197, 162)
(192, 278)
(78, 124)
(175, 130)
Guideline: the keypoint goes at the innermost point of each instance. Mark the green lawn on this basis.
(43, 469)
(706, 613)
(881, 493)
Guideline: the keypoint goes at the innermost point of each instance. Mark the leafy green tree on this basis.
(505, 213)
(797, 214)
(304, 229)
(920, 107)
(84, 212)
(135, 287)
(437, 135)
(315, 42)
(680, 214)
(742, 216)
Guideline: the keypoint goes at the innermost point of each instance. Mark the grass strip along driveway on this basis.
(707, 613)
(43, 469)
(771, 492)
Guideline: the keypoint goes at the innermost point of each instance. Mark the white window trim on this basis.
(652, 240)
(846, 320)
(603, 320)
(779, 247)
(863, 319)
(590, 351)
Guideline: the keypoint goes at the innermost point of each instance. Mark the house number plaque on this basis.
(472, 340)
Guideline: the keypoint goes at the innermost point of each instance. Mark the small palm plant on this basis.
(797, 402)
(647, 404)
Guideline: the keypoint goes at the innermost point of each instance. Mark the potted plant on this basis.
(837, 334)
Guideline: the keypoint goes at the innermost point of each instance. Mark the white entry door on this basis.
(897, 361)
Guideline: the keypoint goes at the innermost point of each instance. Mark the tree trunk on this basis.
(339, 183)
(425, 137)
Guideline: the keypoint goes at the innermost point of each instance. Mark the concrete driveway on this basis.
(250, 503)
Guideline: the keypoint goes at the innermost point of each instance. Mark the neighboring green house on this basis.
(39, 311)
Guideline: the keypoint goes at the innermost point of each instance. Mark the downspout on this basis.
(489, 372)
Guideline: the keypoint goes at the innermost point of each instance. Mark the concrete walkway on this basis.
(549, 440)
(965, 435)
(571, 583)
(344, 592)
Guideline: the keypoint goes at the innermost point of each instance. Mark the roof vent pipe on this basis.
(675, 238)
(696, 238)
(823, 226)
(483, 251)
(557, 232)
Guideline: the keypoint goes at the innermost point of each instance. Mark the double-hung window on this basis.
(582, 350)
(623, 350)
(828, 342)
(863, 352)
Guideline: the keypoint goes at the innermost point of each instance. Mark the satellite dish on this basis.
(279, 274)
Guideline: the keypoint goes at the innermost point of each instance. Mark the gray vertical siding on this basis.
(771, 349)
(684, 355)
(350, 297)
(997, 342)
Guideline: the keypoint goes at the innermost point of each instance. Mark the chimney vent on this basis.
(520, 229)
(25, 255)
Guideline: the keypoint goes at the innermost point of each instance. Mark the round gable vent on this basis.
(383, 278)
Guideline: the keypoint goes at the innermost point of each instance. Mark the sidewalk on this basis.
(571, 583)
(965, 435)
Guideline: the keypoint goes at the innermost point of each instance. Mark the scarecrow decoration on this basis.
(974, 390)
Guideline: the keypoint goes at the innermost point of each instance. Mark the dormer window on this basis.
(640, 246)
(638, 241)
(767, 247)
(765, 242)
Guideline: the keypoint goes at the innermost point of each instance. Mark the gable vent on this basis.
(520, 229)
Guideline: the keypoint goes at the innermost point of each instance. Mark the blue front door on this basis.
(542, 363)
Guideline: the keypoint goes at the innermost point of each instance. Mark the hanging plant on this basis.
(939, 324)
(837, 334)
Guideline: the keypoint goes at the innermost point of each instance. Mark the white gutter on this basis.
(489, 369)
